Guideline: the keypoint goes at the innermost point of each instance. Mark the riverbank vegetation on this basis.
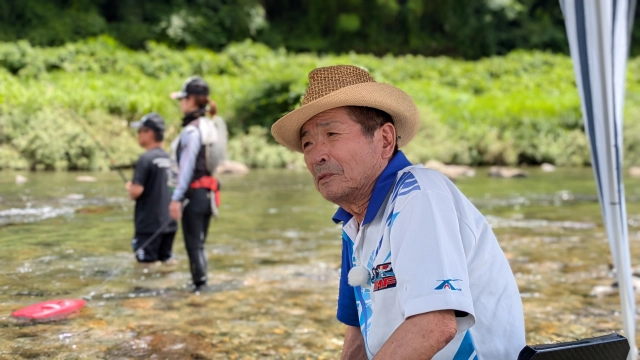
(461, 28)
(513, 109)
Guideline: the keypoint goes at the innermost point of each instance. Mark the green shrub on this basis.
(55, 139)
(10, 158)
(519, 108)
(268, 100)
(254, 150)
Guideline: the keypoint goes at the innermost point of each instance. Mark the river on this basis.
(274, 258)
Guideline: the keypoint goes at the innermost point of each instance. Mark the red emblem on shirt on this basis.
(383, 277)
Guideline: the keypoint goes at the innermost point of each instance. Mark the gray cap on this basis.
(152, 121)
(192, 86)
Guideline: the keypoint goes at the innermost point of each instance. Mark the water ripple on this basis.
(28, 215)
(498, 222)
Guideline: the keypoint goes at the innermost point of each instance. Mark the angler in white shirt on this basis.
(423, 276)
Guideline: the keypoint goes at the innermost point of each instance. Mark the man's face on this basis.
(340, 157)
(145, 136)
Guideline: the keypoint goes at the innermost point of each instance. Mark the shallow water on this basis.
(274, 260)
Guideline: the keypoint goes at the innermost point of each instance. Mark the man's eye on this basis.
(305, 144)
(331, 134)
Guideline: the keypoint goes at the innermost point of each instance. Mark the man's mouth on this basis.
(324, 176)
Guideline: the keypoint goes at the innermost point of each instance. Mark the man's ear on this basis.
(389, 138)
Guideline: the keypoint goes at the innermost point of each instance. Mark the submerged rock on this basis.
(451, 171)
(506, 172)
(74, 197)
(232, 167)
(600, 291)
(21, 179)
(546, 167)
(86, 178)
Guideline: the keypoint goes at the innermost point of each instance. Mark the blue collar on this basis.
(380, 190)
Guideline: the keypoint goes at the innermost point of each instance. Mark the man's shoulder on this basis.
(153, 156)
(425, 173)
(434, 182)
(145, 157)
(416, 179)
(160, 152)
(419, 178)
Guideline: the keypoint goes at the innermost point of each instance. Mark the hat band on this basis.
(197, 92)
(149, 124)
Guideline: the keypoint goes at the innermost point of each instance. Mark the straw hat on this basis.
(347, 85)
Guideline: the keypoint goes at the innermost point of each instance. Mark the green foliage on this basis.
(270, 99)
(518, 108)
(59, 139)
(468, 29)
(11, 158)
(206, 23)
(631, 136)
(254, 150)
(462, 28)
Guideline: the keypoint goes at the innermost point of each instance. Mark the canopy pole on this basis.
(626, 291)
(599, 37)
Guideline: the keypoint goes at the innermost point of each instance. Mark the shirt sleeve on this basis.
(189, 148)
(347, 308)
(429, 259)
(141, 172)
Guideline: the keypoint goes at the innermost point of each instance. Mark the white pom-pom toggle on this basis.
(359, 276)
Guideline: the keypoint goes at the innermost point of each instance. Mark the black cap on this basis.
(152, 121)
(193, 86)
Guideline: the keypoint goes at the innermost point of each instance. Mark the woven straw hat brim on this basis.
(380, 96)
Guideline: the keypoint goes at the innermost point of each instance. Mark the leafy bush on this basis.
(208, 23)
(269, 100)
(253, 149)
(520, 108)
(61, 139)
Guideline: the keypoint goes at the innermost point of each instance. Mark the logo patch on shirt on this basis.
(447, 285)
(383, 277)
(162, 162)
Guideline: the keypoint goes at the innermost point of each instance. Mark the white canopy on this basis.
(599, 35)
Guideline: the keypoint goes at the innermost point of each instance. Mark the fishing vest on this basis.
(200, 169)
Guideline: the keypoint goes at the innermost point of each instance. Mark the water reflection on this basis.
(274, 256)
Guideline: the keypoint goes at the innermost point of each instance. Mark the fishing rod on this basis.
(144, 245)
(104, 150)
(117, 271)
(56, 309)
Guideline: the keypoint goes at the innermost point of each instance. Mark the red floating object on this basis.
(49, 309)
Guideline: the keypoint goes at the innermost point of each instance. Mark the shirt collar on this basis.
(188, 118)
(380, 190)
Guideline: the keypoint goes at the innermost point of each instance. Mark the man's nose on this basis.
(319, 154)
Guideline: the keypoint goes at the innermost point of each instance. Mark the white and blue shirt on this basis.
(427, 249)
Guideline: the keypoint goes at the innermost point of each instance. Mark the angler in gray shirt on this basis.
(195, 182)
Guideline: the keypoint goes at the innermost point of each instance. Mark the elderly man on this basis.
(423, 276)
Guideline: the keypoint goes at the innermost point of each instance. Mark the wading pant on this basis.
(158, 249)
(195, 224)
